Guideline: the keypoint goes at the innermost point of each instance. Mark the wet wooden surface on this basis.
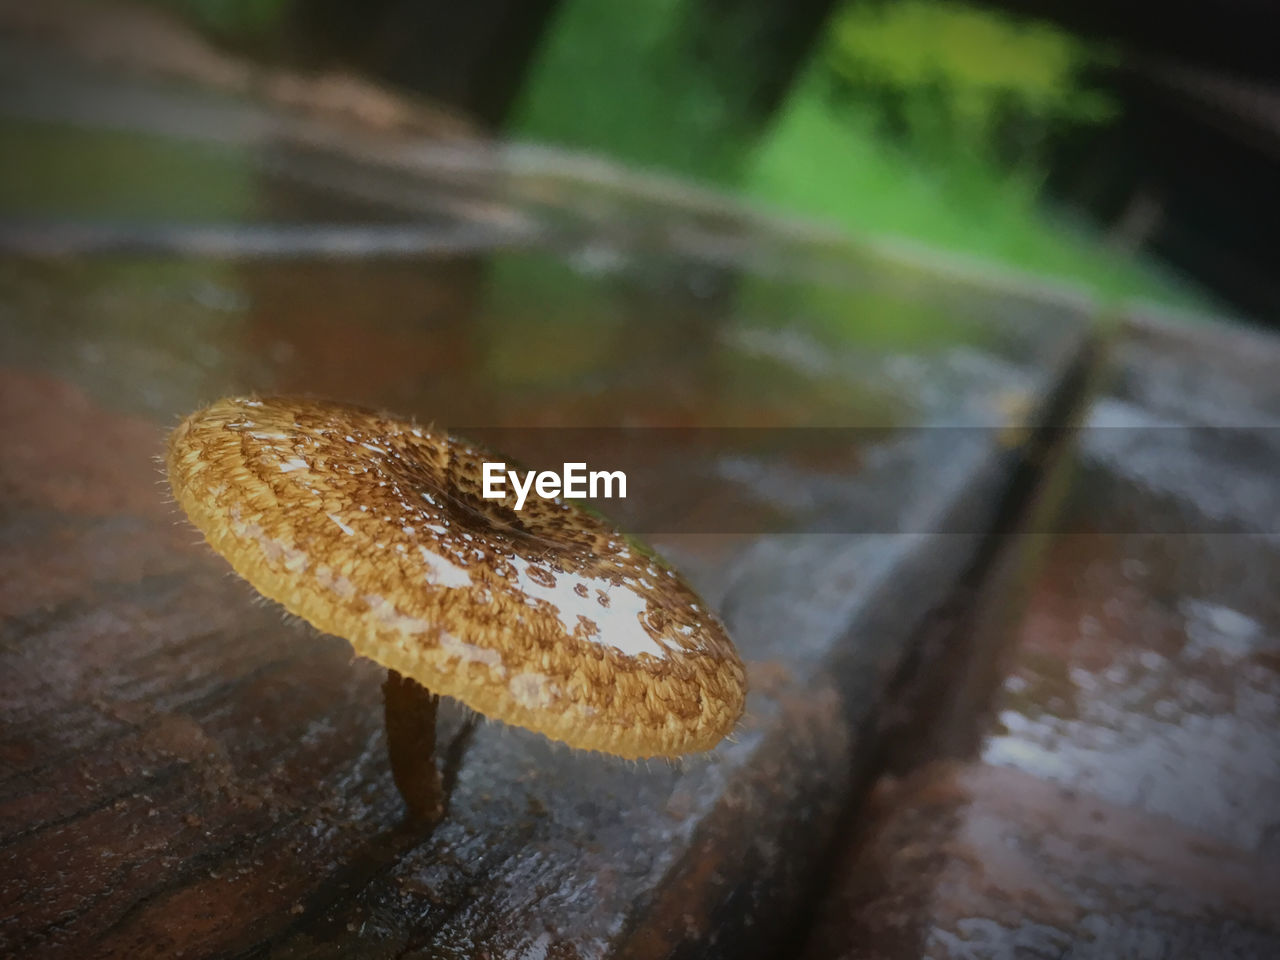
(1122, 797)
(184, 771)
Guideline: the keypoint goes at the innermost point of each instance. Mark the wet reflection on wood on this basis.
(1120, 795)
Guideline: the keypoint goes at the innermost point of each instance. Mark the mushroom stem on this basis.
(411, 745)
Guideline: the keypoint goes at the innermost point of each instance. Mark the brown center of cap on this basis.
(374, 529)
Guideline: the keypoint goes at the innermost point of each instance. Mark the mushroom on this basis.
(374, 529)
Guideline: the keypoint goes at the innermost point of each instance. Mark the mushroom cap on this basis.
(374, 529)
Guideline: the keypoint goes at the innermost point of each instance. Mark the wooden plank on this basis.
(1124, 802)
(184, 771)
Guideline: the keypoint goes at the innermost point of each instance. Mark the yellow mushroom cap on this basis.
(374, 529)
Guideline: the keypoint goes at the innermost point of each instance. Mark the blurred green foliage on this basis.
(837, 166)
(924, 120)
(952, 78)
(621, 77)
